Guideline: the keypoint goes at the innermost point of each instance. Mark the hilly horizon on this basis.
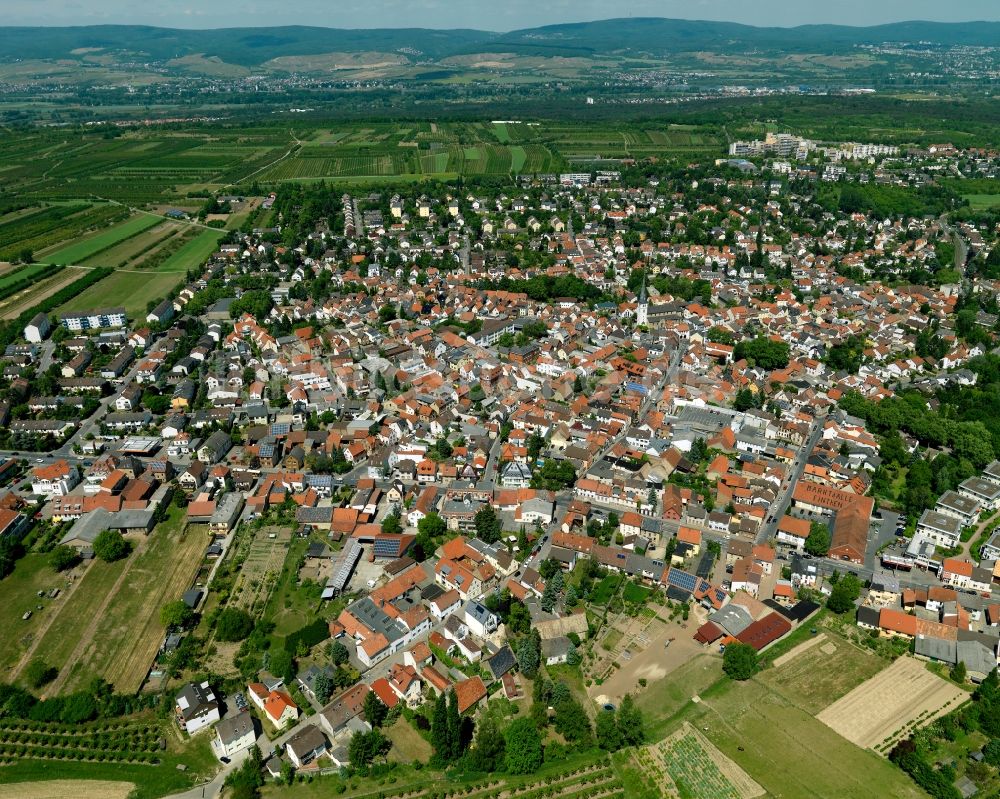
(251, 47)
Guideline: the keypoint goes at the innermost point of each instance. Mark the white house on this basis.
(478, 619)
(38, 329)
(54, 480)
(196, 707)
(446, 604)
(234, 734)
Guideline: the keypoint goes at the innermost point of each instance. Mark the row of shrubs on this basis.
(20, 751)
(105, 742)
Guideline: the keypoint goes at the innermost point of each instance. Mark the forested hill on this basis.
(254, 46)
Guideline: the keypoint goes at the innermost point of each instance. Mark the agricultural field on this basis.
(136, 247)
(892, 704)
(687, 764)
(114, 742)
(111, 628)
(85, 248)
(130, 289)
(127, 636)
(12, 306)
(266, 552)
(192, 254)
(54, 225)
(17, 279)
(787, 751)
(154, 168)
(820, 674)
(29, 778)
(58, 636)
(57, 789)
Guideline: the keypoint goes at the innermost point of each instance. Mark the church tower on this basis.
(642, 311)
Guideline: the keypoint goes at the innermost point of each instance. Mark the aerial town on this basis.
(396, 465)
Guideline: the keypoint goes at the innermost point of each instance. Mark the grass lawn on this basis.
(19, 593)
(85, 248)
(605, 589)
(131, 289)
(981, 202)
(664, 699)
(636, 594)
(75, 615)
(815, 679)
(407, 744)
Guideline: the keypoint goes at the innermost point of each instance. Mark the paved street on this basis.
(769, 528)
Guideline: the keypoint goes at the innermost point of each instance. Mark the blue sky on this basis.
(483, 14)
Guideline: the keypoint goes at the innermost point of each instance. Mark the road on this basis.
(463, 253)
(769, 528)
(961, 247)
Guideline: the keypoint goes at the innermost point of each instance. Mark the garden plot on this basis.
(687, 764)
(892, 704)
(261, 568)
(622, 640)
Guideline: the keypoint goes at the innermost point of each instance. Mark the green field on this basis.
(88, 247)
(77, 611)
(131, 289)
(162, 166)
(22, 273)
(19, 593)
(134, 288)
(194, 253)
(815, 678)
(778, 744)
(982, 202)
(134, 247)
(518, 158)
(150, 781)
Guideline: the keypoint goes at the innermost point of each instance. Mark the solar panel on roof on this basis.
(280, 429)
(682, 580)
(385, 547)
